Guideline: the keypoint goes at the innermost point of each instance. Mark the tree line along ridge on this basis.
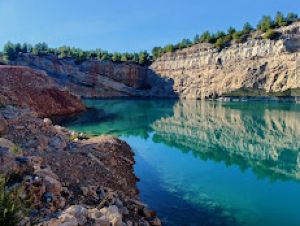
(219, 40)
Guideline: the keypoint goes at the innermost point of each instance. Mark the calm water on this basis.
(209, 163)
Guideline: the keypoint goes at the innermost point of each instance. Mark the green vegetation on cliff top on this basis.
(11, 52)
(219, 39)
(223, 39)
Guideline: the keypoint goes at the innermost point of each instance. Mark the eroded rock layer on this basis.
(95, 78)
(255, 68)
(26, 87)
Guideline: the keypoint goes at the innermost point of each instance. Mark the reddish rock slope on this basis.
(26, 87)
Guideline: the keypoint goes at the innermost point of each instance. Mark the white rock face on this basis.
(257, 68)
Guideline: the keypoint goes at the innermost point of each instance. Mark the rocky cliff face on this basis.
(25, 87)
(255, 68)
(94, 78)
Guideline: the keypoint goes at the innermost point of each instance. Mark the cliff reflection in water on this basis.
(264, 137)
(260, 136)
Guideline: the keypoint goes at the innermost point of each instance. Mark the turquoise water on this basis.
(209, 163)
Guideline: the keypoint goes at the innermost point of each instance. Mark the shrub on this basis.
(220, 43)
(205, 37)
(238, 36)
(291, 17)
(9, 206)
(247, 28)
(9, 52)
(196, 39)
(270, 34)
(265, 24)
(116, 57)
(40, 49)
(157, 52)
(143, 57)
(184, 43)
(231, 30)
(280, 20)
(17, 150)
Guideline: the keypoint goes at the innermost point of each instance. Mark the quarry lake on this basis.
(208, 163)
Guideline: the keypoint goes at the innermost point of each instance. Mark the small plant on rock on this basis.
(17, 150)
(9, 205)
(270, 34)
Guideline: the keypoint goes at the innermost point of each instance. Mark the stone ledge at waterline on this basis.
(65, 179)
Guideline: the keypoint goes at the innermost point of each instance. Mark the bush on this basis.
(270, 34)
(9, 52)
(205, 37)
(247, 28)
(231, 30)
(157, 52)
(280, 20)
(238, 36)
(9, 206)
(220, 43)
(291, 17)
(265, 24)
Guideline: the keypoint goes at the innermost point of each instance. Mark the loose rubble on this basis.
(67, 181)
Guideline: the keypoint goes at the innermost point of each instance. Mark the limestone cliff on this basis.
(255, 68)
(94, 78)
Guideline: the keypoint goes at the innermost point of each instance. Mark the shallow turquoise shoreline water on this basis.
(209, 163)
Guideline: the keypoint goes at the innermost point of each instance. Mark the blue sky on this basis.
(126, 25)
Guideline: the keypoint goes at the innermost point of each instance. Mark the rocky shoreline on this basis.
(67, 179)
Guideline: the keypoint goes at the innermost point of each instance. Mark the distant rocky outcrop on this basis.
(100, 79)
(26, 87)
(257, 67)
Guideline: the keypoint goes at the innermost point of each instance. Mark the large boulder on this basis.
(73, 216)
(113, 215)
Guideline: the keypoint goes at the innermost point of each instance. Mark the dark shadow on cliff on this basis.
(159, 86)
